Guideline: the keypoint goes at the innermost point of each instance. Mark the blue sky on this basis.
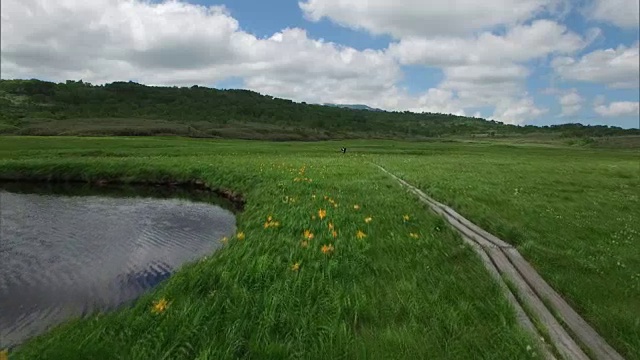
(266, 18)
(541, 62)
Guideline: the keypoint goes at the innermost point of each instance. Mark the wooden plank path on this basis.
(568, 332)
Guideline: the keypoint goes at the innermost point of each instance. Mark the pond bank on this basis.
(236, 200)
(70, 250)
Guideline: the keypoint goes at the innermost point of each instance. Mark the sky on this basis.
(538, 62)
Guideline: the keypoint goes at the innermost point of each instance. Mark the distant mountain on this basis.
(354, 106)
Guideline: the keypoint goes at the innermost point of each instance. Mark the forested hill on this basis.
(125, 108)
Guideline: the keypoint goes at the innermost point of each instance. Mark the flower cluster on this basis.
(302, 177)
(271, 223)
(328, 249)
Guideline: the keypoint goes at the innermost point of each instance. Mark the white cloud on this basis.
(483, 85)
(616, 68)
(433, 100)
(175, 43)
(487, 69)
(623, 13)
(519, 44)
(620, 108)
(402, 18)
(517, 111)
(571, 102)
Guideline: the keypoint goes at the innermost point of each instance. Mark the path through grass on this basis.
(573, 213)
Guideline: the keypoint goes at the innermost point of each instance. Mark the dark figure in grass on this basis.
(344, 150)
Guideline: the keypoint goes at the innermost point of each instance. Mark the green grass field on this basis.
(383, 287)
(572, 214)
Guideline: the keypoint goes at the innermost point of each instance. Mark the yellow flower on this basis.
(327, 249)
(295, 267)
(304, 244)
(330, 226)
(413, 235)
(360, 234)
(271, 223)
(240, 235)
(269, 218)
(160, 306)
(356, 207)
(334, 233)
(322, 214)
(405, 217)
(225, 240)
(368, 219)
(308, 234)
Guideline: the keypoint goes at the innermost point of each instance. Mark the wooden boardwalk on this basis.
(570, 335)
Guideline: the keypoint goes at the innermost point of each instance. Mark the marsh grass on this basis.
(572, 213)
(386, 295)
(389, 295)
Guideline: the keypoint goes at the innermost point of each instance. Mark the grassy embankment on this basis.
(572, 213)
(386, 295)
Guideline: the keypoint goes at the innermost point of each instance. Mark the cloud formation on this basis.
(407, 18)
(490, 70)
(619, 108)
(176, 43)
(519, 44)
(571, 103)
(616, 68)
(486, 51)
(622, 13)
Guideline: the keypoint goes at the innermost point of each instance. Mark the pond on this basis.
(67, 251)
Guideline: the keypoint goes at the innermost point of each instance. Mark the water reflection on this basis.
(66, 251)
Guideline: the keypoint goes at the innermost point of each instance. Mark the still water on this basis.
(66, 252)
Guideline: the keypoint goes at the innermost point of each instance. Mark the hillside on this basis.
(33, 107)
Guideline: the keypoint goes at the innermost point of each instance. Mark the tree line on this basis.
(24, 101)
